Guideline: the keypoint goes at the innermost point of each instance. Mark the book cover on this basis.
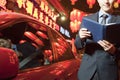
(110, 32)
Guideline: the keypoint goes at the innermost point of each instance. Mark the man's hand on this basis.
(107, 46)
(84, 33)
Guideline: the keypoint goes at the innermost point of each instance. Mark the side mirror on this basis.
(9, 64)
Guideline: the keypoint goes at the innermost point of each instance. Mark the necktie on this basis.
(104, 17)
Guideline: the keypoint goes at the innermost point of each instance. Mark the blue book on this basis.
(109, 32)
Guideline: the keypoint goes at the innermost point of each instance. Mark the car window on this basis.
(39, 43)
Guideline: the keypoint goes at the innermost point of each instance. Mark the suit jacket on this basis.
(96, 59)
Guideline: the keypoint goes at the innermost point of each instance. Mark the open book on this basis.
(110, 32)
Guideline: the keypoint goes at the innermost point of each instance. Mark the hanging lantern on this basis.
(76, 18)
(2, 4)
(78, 15)
(22, 41)
(75, 25)
(41, 34)
(91, 3)
(73, 15)
(72, 26)
(34, 38)
(118, 1)
(78, 25)
(47, 53)
(30, 35)
(116, 4)
(73, 2)
(39, 42)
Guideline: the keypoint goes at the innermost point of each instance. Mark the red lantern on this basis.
(72, 26)
(3, 3)
(73, 15)
(22, 41)
(118, 1)
(33, 37)
(44, 36)
(78, 15)
(47, 53)
(91, 3)
(73, 2)
(39, 42)
(76, 18)
(30, 35)
(116, 4)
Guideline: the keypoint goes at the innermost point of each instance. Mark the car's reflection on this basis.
(51, 58)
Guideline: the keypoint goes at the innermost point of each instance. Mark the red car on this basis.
(58, 61)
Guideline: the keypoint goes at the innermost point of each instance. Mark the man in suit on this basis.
(99, 61)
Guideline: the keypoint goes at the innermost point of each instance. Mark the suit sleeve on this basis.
(79, 43)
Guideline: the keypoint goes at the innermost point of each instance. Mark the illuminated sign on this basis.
(64, 31)
(42, 13)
